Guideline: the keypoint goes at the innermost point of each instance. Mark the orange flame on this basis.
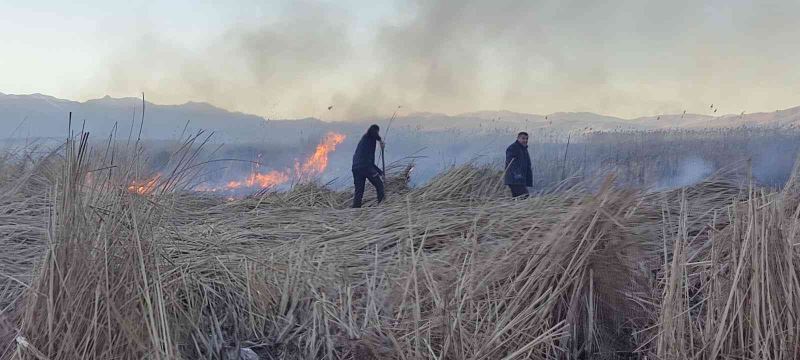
(271, 178)
(144, 187)
(313, 166)
(317, 162)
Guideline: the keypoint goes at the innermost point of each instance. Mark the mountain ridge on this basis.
(43, 115)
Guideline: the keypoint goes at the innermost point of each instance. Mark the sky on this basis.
(294, 59)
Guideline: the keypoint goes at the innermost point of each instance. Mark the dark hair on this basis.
(373, 130)
(522, 133)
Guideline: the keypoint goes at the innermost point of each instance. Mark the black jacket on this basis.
(364, 157)
(518, 165)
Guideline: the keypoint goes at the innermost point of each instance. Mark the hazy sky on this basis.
(285, 59)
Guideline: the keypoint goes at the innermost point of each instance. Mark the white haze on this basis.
(625, 58)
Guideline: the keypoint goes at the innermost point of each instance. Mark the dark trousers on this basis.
(519, 191)
(359, 179)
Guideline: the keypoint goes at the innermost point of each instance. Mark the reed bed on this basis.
(454, 269)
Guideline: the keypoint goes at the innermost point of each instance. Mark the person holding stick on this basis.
(364, 167)
(519, 172)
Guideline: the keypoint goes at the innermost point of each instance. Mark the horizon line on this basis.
(417, 113)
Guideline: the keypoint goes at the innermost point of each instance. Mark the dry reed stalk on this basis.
(450, 270)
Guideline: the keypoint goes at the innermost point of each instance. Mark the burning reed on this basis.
(451, 270)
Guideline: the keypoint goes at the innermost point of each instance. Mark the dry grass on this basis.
(451, 270)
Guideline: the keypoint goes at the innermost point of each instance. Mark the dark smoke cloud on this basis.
(623, 57)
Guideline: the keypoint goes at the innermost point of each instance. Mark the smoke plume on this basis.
(622, 57)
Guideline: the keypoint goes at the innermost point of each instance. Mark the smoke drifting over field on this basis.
(626, 58)
(655, 160)
(689, 171)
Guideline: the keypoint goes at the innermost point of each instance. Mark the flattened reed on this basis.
(454, 269)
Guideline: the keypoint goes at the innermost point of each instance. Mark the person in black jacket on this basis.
(364, 167)
(519, 174)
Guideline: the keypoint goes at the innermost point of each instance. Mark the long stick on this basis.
(386, 135)
(383, 164)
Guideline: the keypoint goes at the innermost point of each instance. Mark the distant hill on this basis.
(40, 115)
(37, 116)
